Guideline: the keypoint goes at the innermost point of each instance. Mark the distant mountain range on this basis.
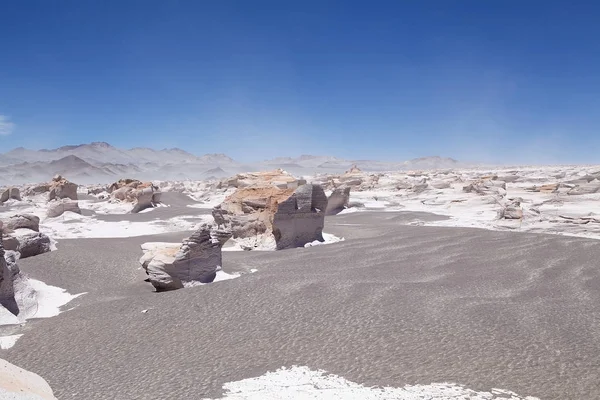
(99, 162)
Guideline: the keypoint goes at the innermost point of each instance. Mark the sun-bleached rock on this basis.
(28, 221)
(57, 208)
(127, 182)
(60, 188)
(590, 187)
(438, 184)
(141, 194)
(277, 178)
(294, 218)
(32, 243)
(145, 198)
(512, 210)
(19, 384)
(196, 260)
(11, 193)
(8, 270)
(486, 186)
(338, 200)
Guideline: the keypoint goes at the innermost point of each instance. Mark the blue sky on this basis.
(501, 81)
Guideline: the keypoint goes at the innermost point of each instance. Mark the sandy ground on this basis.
(391, 305)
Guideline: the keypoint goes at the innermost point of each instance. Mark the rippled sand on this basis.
(392, 305)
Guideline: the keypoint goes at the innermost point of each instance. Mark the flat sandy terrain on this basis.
(391, 305)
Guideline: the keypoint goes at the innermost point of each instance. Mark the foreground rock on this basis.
(19, 236)
(10, 194)
(338, 200)
(20, 221)
(19, 384)
(8, 272)
(142, 195)
(293, 218)
(173, 266)
(60, 188)
(59, 207)
(32, 243)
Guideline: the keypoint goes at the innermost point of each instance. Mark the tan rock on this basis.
(17, 383)
(57, 208)
(141, 194)
(293, 217)
(60, 188)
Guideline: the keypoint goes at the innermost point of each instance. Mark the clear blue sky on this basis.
(475, 80)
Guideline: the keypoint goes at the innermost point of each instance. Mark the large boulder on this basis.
(338, 200)
(147, 197)
(32, 243)
(10, 193)
(60, 188)
(19, 384)
(278, 178)
(7, 272)
(132, 183)
(141, 194)
(57, 208)
(292, 217)
(19, 221)
(512, 210)
(173, 266)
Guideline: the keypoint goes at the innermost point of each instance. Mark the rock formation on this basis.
(486, 187)
(173, 266)
(57, 208)
(294, 218)
(512, 210)
(21, 234)
(141, 194)
(60, 188)
(8, 270)
(20, 221)
(338, 200)
(278, 178)
(10, 193)
(19, 384)
(33, 244)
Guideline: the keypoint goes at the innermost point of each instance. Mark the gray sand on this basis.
(178, 206)
(392, 305)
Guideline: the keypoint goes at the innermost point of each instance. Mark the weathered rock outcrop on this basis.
(294, 218)
(60, 188)
(486, 186)
(338, 200)
(277, 178)
(59, 207)
(10, 193)
(173, 266)
(32, 244)
(132, 183)
(548, 188)
(19, 384)
(512, 210)
(8, 271)
(25, 240)
(141, 194)
(20, 221)
(590, 187)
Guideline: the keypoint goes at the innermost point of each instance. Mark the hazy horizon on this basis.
(505, 82)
